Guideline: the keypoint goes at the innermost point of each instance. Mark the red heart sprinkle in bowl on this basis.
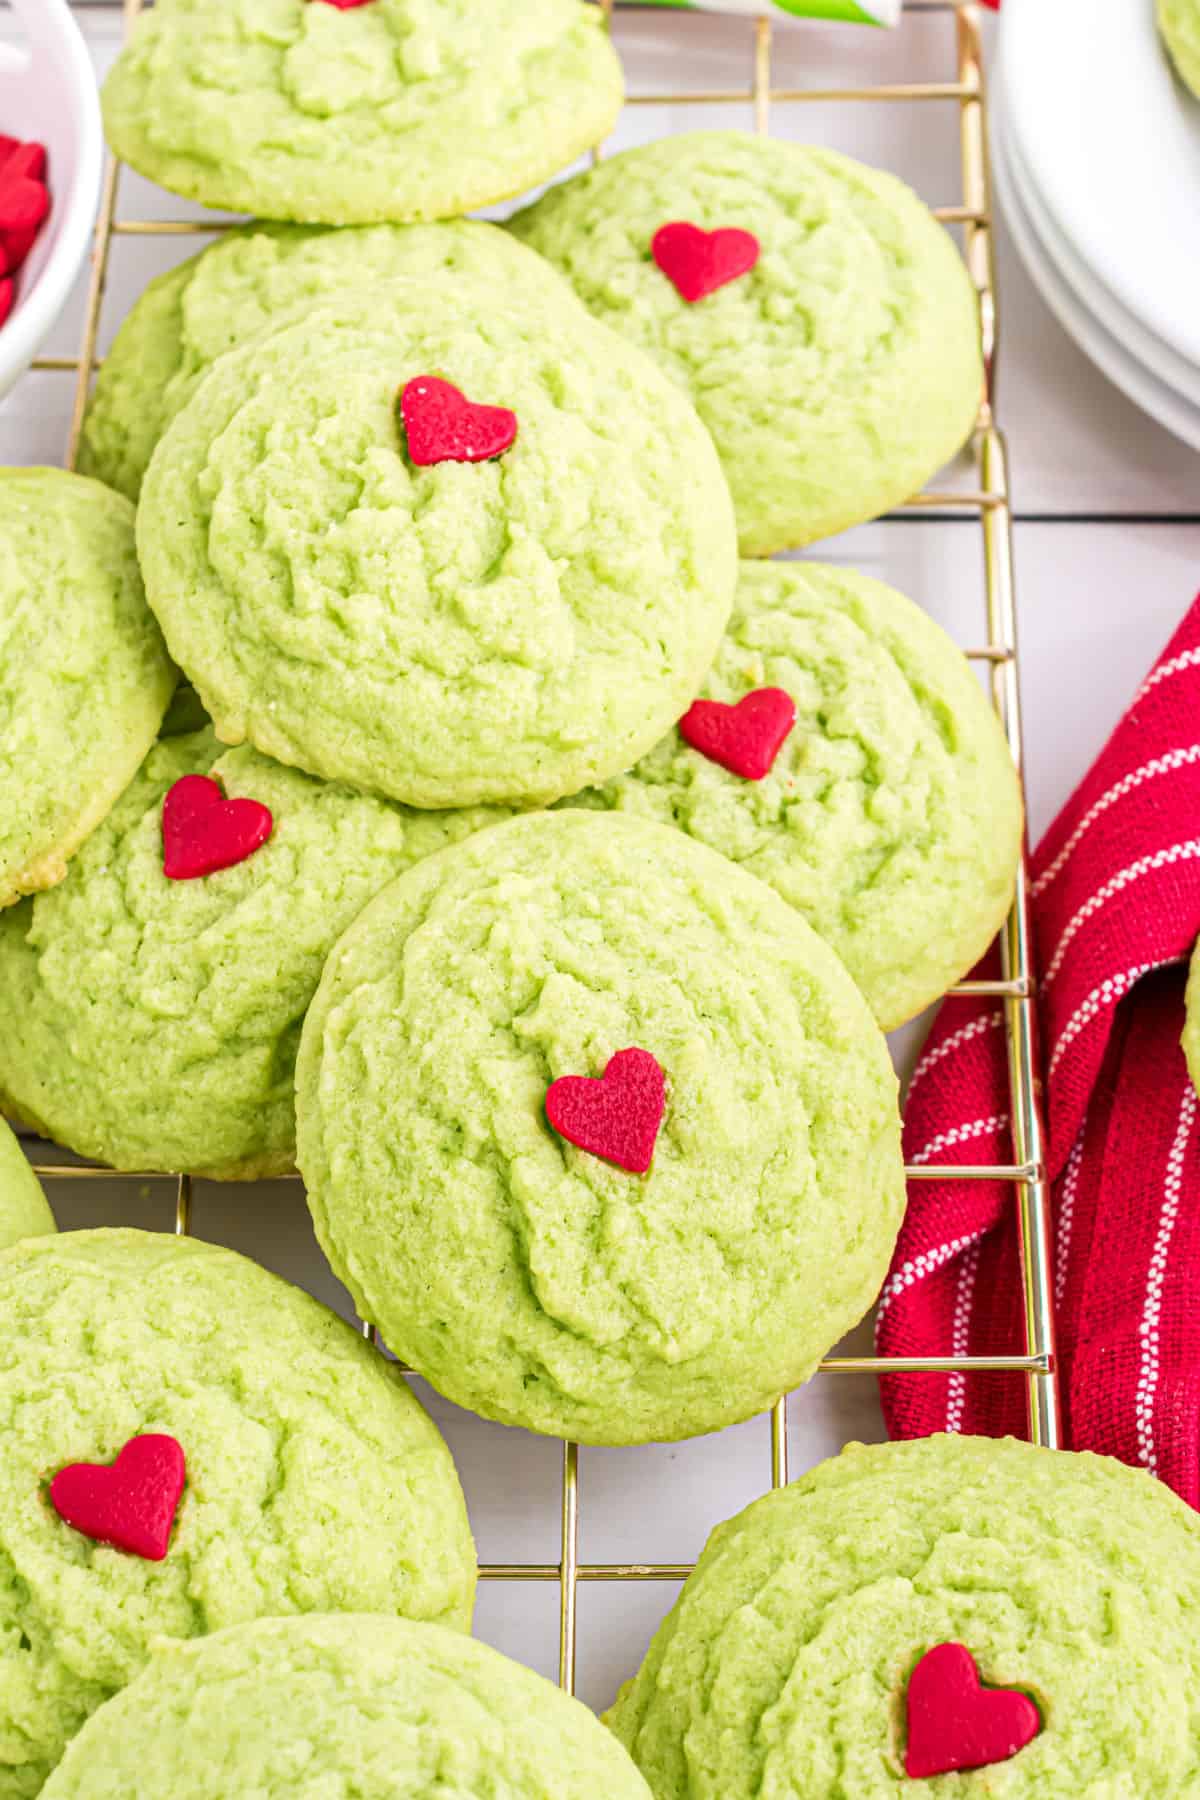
(615, 1115)
(24, 204)
(442, 425)
(699, 262)
(129, 1504)
(28, 159)
(203, 831)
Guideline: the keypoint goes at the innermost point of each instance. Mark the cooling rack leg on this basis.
(978, 247)
(95, 297)
(762, 77)
(569, 1568)
(779, 1443)
(1020, 1015)
(183, 1206)
(1033, 1194)
(102, 244)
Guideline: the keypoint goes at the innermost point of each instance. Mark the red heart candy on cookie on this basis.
(615, 1115)
(203, 831)
(8, 288)
(746, 738)
(699, 262)
(130, 1504)
(954, 1722)
(442, 425)
(347, 5)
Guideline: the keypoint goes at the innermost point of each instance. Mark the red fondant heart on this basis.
(130, 1504)
(699, 262)
(956, 1723)
(7, 293)
(746, 738)
(204, 832)
(24, 159)
(615, 1115)
(442, 425)
(23, 203)
(14, 248)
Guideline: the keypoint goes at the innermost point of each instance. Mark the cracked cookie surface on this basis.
(782, 1669)
(311, 1708)
(449, 635)
(525, 1278)
(84, 674)
(249, 281)
(839, 373)
(892, 816)
(396, 110)
(153, 1024)
(315, 1482)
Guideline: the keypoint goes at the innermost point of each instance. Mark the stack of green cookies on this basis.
(441, 524)
(408, 778)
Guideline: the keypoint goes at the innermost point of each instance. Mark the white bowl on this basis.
(48, 92)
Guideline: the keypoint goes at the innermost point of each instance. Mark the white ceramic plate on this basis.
(1109, 354)
(1111, 139)
(48, 92)
(1143, 346)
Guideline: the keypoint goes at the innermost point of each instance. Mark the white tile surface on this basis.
(1096, 602)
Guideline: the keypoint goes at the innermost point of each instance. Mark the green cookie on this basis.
(84, 674)
(315, 1482)
(241, 285)
(395, 110)
(23, 1209)
(892, 815)
(1191, 1029)
(839, 373)
(533, 1281)
(1179, 22)
(321, 1708)
(784, 1665)
(203, 983)
(505, 630)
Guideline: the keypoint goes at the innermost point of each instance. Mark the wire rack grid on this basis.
(988, 500)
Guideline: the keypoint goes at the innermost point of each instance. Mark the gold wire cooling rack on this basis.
(988, 500)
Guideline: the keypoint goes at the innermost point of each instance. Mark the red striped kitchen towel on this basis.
(1116, 900)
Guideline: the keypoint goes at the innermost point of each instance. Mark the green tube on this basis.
(860, 12)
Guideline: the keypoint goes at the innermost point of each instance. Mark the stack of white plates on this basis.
(1096, 152)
